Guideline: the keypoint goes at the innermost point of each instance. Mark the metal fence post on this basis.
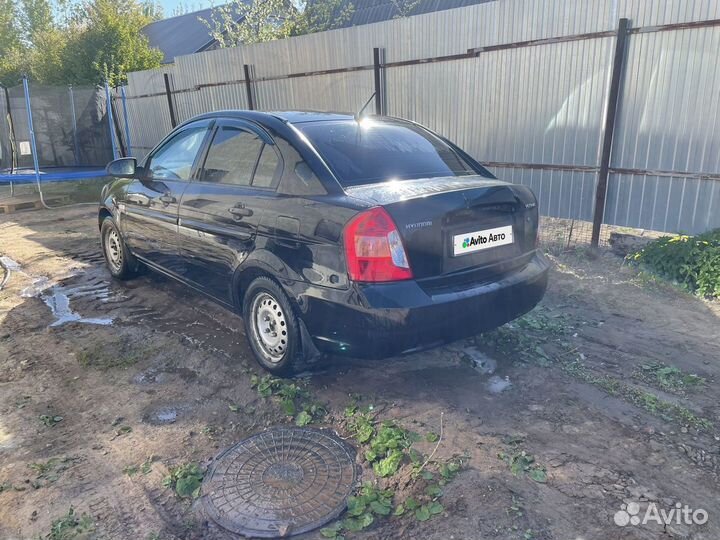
(127, 122)
(33, 145)
(379, 75)
(609, 129)
(11, 135)
(74, 122)
(168, 94)
(249, 88)
(111, 121)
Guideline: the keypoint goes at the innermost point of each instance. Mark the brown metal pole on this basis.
(609, 129)
(171, 107)
(248, 87)
(379, 91)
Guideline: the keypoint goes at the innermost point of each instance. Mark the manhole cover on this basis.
(281, 482)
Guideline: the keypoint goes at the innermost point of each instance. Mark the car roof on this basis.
(291, 117)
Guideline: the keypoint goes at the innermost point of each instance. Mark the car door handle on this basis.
(239, 211)
(167, 199)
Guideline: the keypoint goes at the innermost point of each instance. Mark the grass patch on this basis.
(522, 462)
(71, 527)
(646, 400)
(51, 470)
(144, 468)
(50, 420)
(668, 378)
(691, 261)
(543, 340)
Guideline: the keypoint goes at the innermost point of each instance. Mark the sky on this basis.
(169, 6)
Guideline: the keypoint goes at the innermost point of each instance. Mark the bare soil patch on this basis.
(610, 385)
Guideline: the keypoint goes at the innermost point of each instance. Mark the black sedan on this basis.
(369, 237)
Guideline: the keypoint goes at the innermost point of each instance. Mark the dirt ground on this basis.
(611, 385)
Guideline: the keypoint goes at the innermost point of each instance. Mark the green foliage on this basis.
(70, 527)
(669, 378)
(385, 446)
(64, 42)
(362, 509)
(185, 480)
(521, 462)
(258, 21)
(691, 261)
(321, 15)
(50, 420)
(404, 8)
(110, 44)
(50, 471)
(293, 398)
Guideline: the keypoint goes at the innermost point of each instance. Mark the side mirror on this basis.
(122, 168)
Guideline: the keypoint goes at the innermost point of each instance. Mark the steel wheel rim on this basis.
(270, 327)
(113, 250)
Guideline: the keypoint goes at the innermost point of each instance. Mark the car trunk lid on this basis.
(458, 229)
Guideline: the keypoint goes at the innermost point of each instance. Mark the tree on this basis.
(404, 8)
(110, 45)
(255, 21)
(11, 47)
(321, 15)
(62, 42)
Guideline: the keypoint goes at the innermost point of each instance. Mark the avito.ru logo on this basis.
(629, 514)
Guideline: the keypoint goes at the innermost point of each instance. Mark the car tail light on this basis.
(374, 249)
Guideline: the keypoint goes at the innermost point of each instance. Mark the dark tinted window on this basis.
(266, 168)
(232, 157)
(174, 159)
(370, 151)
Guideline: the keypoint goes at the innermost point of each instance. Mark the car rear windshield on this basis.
(372, 151)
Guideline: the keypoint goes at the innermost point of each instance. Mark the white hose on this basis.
(6, 277)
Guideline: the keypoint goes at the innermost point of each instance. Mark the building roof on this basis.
(187, 34)
(182, 34)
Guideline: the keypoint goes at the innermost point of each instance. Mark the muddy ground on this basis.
(611, 385)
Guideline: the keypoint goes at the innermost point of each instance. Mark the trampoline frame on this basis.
(14, 178)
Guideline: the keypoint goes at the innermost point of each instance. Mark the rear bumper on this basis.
(378, 321)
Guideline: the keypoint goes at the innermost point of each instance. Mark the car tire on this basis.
(272, 328)
(120, 262)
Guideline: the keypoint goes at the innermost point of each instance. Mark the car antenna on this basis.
(358, 115)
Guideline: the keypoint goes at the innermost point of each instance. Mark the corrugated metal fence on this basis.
(523, 85)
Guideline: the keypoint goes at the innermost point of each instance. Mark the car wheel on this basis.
(119, 260)
(272, 328)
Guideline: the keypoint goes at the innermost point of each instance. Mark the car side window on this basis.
(267, 168)
(232, 157)
(174, 160)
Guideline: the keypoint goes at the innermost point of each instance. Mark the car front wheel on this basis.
(272, 328)
(120, 262)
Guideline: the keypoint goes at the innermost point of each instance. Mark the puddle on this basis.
(11, 265)
(57, 298)
(479, 360)
(162, 416)
(59, 303)
(497, 384)
(36, 289)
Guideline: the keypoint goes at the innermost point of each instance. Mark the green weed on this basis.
(70, 527)
(294, 399)
(668, 378)
(521, 463)
(185, 480)
(50, 420)
(51, 470)
(691, 261)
